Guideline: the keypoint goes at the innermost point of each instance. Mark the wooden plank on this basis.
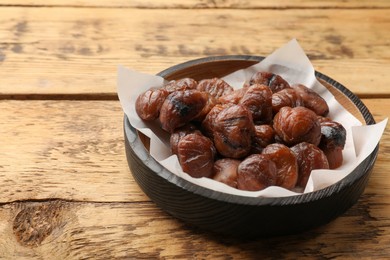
(62, 230)
(74, 150)
(71, 51)
(236, 4)
(47, 151)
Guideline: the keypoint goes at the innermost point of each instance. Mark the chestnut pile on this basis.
(266, 133)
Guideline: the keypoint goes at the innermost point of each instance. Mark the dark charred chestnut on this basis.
(233, 131)
(332, 142)
(180, 107)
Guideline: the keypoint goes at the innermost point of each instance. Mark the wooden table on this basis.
(66, 191)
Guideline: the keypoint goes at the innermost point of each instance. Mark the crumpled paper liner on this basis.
(293, 65)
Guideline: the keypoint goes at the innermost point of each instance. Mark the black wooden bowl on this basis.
(236, 215)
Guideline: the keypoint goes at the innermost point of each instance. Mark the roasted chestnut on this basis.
(148, 104)
(296, 125)
(285, 98)
(181, 85)
(258, 99)
(332, 142)
(209, 121)
(225, 171)
(215, 87)
(286, 165)
(264, 135)
(312, 99)
(179, 133)
(256, 172)
(234, 97)
(180, 107)
(274, 81)
(196, 155)
(309, 158)
(233, 131)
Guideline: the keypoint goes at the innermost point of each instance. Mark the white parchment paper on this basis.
(293, 65)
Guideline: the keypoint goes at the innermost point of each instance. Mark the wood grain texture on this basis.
(76, 50)
(142, 231)
(74, 150)
(236, 4)
(46, 151)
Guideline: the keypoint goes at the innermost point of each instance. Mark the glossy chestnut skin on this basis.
(312, 99)
(179, 133)
(180, 107)
(196, 155)
(256, 172)
(215, 87)
(225, 171)
(264, 135)
(274, 81)
(296, 125)
(209, 121)
(210, 103)
(233, 131)
(309, 158)
(234, 97)
(287, 97)
(286, 165)
(258, 99)
(332, 142)
(148, 103)
(181, 85)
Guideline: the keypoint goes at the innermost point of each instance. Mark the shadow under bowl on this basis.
(240, 216)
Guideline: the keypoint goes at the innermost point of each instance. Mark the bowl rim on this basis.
(363, 168)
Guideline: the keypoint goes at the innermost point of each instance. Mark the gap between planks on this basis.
(52, 200)
(82, 97)
(114, 96)
(292, 7)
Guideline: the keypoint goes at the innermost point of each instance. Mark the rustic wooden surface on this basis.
(65, 188)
